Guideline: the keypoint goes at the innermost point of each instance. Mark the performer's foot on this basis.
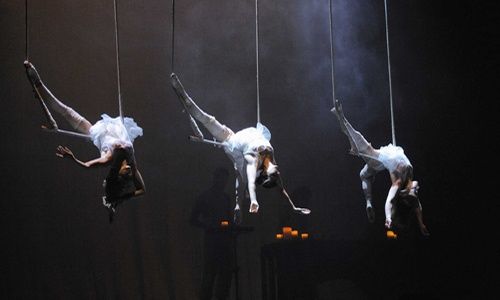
(180, 91)
(110, 207)
(237, 215)
(370, 212)
(32, 74)
(337, 109)
(36, 83)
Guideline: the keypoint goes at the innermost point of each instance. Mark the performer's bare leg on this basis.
(76, 121)
(359, 145)
(218, 131)
(237, 217)
(367, 176)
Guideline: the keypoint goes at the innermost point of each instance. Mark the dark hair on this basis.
(268, 180)
(403, 205)
(118, 187)
(265, 179)
(406, 175)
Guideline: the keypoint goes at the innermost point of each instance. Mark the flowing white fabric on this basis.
(392, 157)
(246, 141)
(109, 132)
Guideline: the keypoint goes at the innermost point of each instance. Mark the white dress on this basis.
(109, 132)
(392, 156)
(246, 141)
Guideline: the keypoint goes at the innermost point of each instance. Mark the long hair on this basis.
(118, 187)
(265, 179)
(403, 206)
(406, 176)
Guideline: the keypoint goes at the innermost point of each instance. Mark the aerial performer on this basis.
(403, 191)
(113, 137)
(249, 150)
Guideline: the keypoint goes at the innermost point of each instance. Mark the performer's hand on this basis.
(424, 231)
(388, 223)
(237, 217)
(254, 207)
(64, 152)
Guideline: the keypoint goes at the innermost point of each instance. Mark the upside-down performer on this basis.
(390, 158)
(112, 136)
(249, 149)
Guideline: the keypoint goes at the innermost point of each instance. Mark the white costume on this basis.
(393, 156)
(244, 148)
(109, 132)
(388, 157)
(246, 141)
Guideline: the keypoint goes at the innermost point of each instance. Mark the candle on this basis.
(224, 223)
(287, 232)
(279, 236)
(391, 234)
(304, 236)
(295, 233)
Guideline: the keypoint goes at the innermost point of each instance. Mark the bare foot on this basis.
(237, 215)
(337, 108)
(33, 75)
(370, 212)
(180, 91)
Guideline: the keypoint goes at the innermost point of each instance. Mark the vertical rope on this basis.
(257, 56)
(389, 72)
(27, 29)
(173, 34)
(331, 54)
(117, 50)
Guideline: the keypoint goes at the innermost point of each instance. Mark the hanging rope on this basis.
(331, 53)
(257, 56)
(117, 51)
(27, 30)
(173, 34)
(389, 72)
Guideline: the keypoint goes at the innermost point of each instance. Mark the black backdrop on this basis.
(56, 240)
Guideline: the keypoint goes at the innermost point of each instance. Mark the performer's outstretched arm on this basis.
(251, 170)
(63, 152)
(388, 204)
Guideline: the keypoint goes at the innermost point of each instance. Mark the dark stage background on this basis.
(56, 239)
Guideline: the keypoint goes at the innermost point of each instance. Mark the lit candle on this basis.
(279, 236)
(304, 236)
(295, 233)
(287, 232)
(224, 223)
(391, 234)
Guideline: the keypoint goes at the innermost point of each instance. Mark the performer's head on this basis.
(403, 207)
(269, 169)
(120, 180)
